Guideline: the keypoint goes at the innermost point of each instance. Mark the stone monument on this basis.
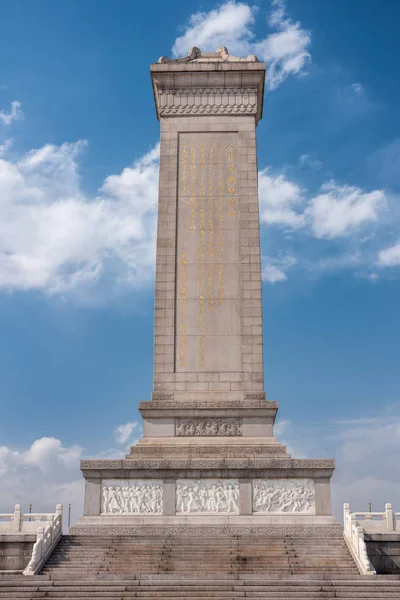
(208, 456)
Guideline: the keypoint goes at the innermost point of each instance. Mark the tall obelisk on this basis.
(208, 456)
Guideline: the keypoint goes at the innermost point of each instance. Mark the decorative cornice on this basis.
(207, 101)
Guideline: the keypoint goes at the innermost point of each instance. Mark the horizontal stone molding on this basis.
(187, 451)
(320, 531)
(207, 463)
(208, 427)
(253, 400)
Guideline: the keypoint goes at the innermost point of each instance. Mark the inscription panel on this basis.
(208, 320)
(283, 496)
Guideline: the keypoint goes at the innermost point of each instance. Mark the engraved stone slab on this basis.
(208, 427)
(132, 497)
(283, 496)
(208, 324)
(207, 496)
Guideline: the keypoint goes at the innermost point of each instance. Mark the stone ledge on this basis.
(208, 463)
(168, 402)
(193, 451)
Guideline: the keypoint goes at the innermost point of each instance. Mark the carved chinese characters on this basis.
(207, 496)
(208, 329)
(208, 427)
(283, 496)
(134, 497)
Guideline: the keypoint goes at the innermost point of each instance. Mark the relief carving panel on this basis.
(207, 496)
(283, 496)
(208, 427)
(132, 497)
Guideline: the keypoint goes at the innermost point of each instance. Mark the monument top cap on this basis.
(197, 56)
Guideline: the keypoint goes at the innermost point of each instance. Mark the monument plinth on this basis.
(208, 456)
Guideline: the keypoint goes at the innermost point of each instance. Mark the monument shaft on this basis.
(208, 328)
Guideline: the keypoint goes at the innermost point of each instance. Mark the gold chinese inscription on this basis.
(193, 150)
(220, 236)
(231, 181)
(211, 240)
(208, 183)
(182, 321)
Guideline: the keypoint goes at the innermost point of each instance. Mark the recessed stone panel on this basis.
(283, 496)
(207, 496)
(132, 497)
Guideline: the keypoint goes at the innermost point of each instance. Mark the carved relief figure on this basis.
(135, 497)
(207, 496)
(283, 495)
(208, 427)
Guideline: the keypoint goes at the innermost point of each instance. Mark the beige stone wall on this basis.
(232, 331)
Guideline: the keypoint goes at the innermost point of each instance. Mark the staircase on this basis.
(224, 567)
(230, 555)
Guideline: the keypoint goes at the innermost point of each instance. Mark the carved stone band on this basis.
(213, 100)
(208, 427)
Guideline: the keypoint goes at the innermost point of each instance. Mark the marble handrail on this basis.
(46, 540)
(354, 536)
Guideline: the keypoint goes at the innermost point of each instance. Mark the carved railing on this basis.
(359, 523)
(46, 539)
(18, 522)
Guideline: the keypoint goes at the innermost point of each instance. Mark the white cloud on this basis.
(56, 238)
(285, 50)
(390, 257)
(124, 432)
(45, 474)
(357, 88)
(278, 198)
(13, 114)
(274, 269)
(6, 145)
(365, 450)
(340, 209)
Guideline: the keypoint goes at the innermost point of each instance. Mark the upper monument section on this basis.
(208, 83)
(197, 56)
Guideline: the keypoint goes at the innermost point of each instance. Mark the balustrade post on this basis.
(16, 525)
(389, 517)
(40, 540)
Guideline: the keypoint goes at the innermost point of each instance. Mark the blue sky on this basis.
(78, 194)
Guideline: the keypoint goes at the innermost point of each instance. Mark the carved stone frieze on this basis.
(253, 400)
(320, 531)
(162, 397)
(132, 497)
(255, 396)
(283, 496)
(207, 496)
(208, 463)
(208, 427)
(197, 101)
